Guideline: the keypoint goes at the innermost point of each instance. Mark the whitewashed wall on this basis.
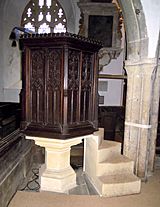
(113, 96)
(152, 15)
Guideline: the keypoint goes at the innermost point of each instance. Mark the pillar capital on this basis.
(141, 67)
(149, 61)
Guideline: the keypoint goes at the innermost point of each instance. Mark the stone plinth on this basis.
(57, 174)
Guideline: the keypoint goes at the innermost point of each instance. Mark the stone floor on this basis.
(149, 197)
(84, 187)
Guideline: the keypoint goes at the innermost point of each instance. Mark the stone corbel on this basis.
(106, 55)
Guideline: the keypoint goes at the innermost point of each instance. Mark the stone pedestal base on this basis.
(56, 174)
(57, 181)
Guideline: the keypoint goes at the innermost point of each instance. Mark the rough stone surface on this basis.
(138, 126)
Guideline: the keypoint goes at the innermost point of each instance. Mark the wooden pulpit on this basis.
(59, 85)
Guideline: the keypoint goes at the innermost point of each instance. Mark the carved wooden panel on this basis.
(74, 57)
(86, 82)
(53, 85)
(37, 82)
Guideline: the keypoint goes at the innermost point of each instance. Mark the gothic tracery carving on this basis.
(86, 72)
(73, 71)
(37, 79)
(44, 16)
(54, 76)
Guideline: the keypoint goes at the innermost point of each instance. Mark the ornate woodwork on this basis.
(59, 78)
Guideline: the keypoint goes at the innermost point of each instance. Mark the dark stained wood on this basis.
(9, 124)
(101, 28)
(9, 118)
(59, 85)
(112, 118)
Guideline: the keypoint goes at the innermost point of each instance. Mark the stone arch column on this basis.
(140, 131)
(137, 120)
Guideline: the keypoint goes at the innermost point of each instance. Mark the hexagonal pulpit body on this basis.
(59, 85)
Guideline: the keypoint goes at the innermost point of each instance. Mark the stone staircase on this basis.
(111, 173)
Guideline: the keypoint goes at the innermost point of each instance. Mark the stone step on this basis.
(98, 136)
(108, 149)
(110, 172)
(117, 164)
(118, 185)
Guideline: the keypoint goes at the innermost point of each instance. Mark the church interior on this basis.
(79, 103)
